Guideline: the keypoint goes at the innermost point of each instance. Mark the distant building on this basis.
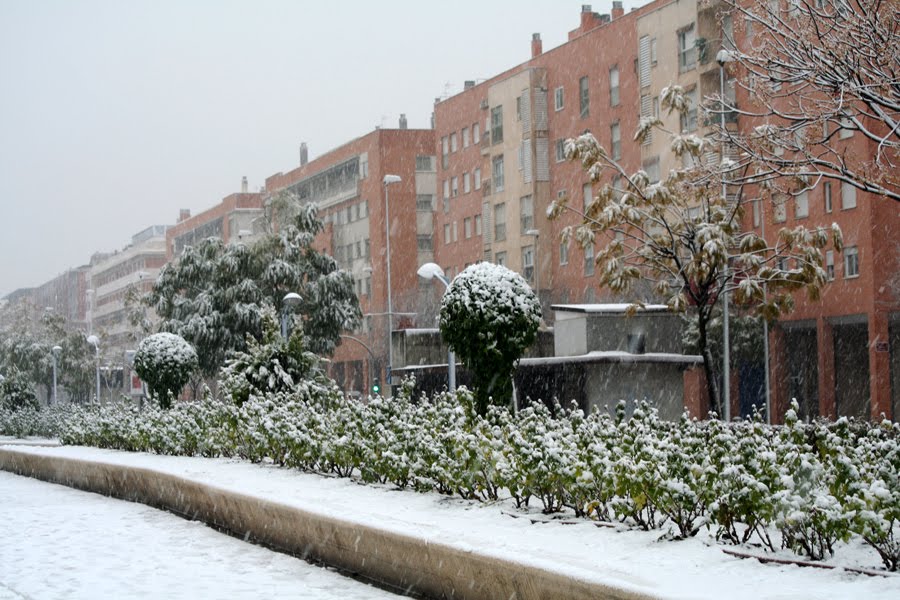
(347, 184)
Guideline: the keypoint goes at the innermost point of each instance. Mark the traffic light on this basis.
(376, 387)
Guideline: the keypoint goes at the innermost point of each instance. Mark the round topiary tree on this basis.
(489, 315)
(165, 361)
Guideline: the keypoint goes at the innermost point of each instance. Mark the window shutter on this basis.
(527, 169)
(540, 109)
(542, 148)
(644, 61)
(526, 111)
(647, 112)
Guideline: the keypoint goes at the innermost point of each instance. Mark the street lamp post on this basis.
(94, 341)
(54, 353)
(288, 303)
(433, 271)
(90, 298)
(388, 180)
(723, 57)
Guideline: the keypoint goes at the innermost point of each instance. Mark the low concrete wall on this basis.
(406, 563)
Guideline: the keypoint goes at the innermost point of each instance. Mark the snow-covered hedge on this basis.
(798, 486)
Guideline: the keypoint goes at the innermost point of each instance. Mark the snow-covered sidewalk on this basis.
(58, 542)
(638, 561)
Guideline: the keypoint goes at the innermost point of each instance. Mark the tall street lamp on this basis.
(433, 271)
(90, 298)
(288, 303)
(94, 341)
(388, 180)
(723, 57)
(54, 353)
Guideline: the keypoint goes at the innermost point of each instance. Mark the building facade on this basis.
(377, 232)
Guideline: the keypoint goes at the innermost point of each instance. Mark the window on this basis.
(455, 231)
(454, 187)
(827, 190)
(689, 119)
(498, 173)
(801, 206)
(476, 133)
(846, 128)
(424, 163)
(687, 50)
(446, 233)
(526, 214)
(476, 175)
(829, 265)
(614, 86)
(519, 108)
(500, 259)
(584, 96)
(560, 150)
(445, 145)
(653, 52)
(364, 209)
(446, 188)
(528, 263)
(564, 253)
(756, 213)
(558, 99)
(587, 196)
(445, 204)
(848, 195)
(424, 242)
(851, 262)
(521, 156)
(477, 224)
(497, 124)
(467, 183)
(500, 222)
(780, 209)
(368, 247)
(453, 146)
(655, 107)
(465, 137)
(615, 133)
(651, 168)
(350, 214)
(467, 227)
(589, 260)
(358, 249)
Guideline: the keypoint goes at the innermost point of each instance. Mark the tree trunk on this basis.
(712, 382)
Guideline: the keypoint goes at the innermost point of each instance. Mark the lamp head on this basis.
(724, 56)
(389, 179)
(291, 299)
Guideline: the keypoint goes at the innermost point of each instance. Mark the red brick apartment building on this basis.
(499, 144)
(232, 219)
(348, 185)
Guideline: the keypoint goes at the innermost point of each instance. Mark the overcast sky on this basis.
(115, 114)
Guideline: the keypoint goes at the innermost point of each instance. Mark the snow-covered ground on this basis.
(57, 542)
(695, 568)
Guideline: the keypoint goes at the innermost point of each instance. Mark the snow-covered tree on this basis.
(165, 361)
(26, 347)
(214, 295)
(683, 237)
(489, 315)
(816, 73)
(17, 391)
(271, 365)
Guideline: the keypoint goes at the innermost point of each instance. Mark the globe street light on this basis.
(433, 271)
(94, 341)
(388, 180)
(288, 303)
(54, 353)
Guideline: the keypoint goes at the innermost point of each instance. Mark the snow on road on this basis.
(57, 542)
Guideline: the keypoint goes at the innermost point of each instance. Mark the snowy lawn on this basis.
(693, 568)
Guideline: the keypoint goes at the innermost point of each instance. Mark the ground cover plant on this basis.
(803, 487)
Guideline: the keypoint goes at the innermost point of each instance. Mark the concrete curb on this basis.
(390, 559)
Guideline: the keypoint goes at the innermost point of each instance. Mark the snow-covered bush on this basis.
(808, 486)
(17, 392)
(271, 366)
(489, 316)
(165, 361)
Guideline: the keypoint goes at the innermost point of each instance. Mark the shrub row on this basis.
(808, 486)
